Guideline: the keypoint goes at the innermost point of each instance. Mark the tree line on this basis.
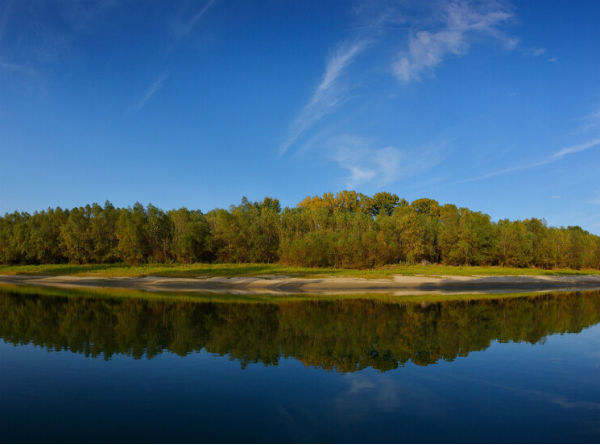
(346, 229)
(342, 335)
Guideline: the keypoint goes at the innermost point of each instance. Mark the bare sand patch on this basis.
(399, 285)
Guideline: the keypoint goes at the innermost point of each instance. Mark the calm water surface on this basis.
(104, 369)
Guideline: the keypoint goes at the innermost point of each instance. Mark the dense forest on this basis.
(346, 229)
(342, 335)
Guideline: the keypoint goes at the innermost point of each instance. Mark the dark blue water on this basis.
(76, 369)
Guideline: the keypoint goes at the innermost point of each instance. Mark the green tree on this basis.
(133, 245)
(190, 235)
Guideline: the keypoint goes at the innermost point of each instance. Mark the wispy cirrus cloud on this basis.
(461, 21)
(5, 12)
(328, 94)
(435, 32)
(366, 163)
(591, 121)
(595, 201)
(17, 68)
(369, 162)
(183, 28)
(28, 38)
(575, 149)
(152, 90)
(557, 156)
(536, 52)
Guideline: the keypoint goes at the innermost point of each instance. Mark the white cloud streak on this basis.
(539, 51)
(156, 85)
(16, 68)
(451, 32)
(183, 29)
(591, 121)
(427, 49)
(594, 116)
(367, 163)
(575, 149)
(328, 93)
(458, 24)
(560, 154)
(36, 41)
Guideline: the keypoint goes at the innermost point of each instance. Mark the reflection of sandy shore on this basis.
(399, 285)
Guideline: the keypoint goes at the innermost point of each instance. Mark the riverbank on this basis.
(285, 285)
(205, 270)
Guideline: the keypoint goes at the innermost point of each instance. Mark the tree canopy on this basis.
(346, 229)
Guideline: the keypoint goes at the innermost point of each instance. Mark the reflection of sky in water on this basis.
(540, 392)
(382, 393)
(515, 391)
(507, 392)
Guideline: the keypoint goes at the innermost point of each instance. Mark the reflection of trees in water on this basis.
(344, 335)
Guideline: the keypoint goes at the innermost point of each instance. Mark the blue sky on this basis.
(493, 106)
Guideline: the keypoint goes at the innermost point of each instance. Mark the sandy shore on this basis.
(398, 285)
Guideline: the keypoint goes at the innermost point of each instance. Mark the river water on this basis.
(77, 367)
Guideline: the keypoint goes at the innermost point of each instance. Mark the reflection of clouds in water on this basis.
(595, 331)
(560, 400)
(548, 397)
(381, 393)
(592, 335)
(359, 383)
(595, 358)
(299, 425)
(565, 403)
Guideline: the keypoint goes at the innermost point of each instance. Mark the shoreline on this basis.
(285, 285)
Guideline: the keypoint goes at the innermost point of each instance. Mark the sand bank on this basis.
(398, 285)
